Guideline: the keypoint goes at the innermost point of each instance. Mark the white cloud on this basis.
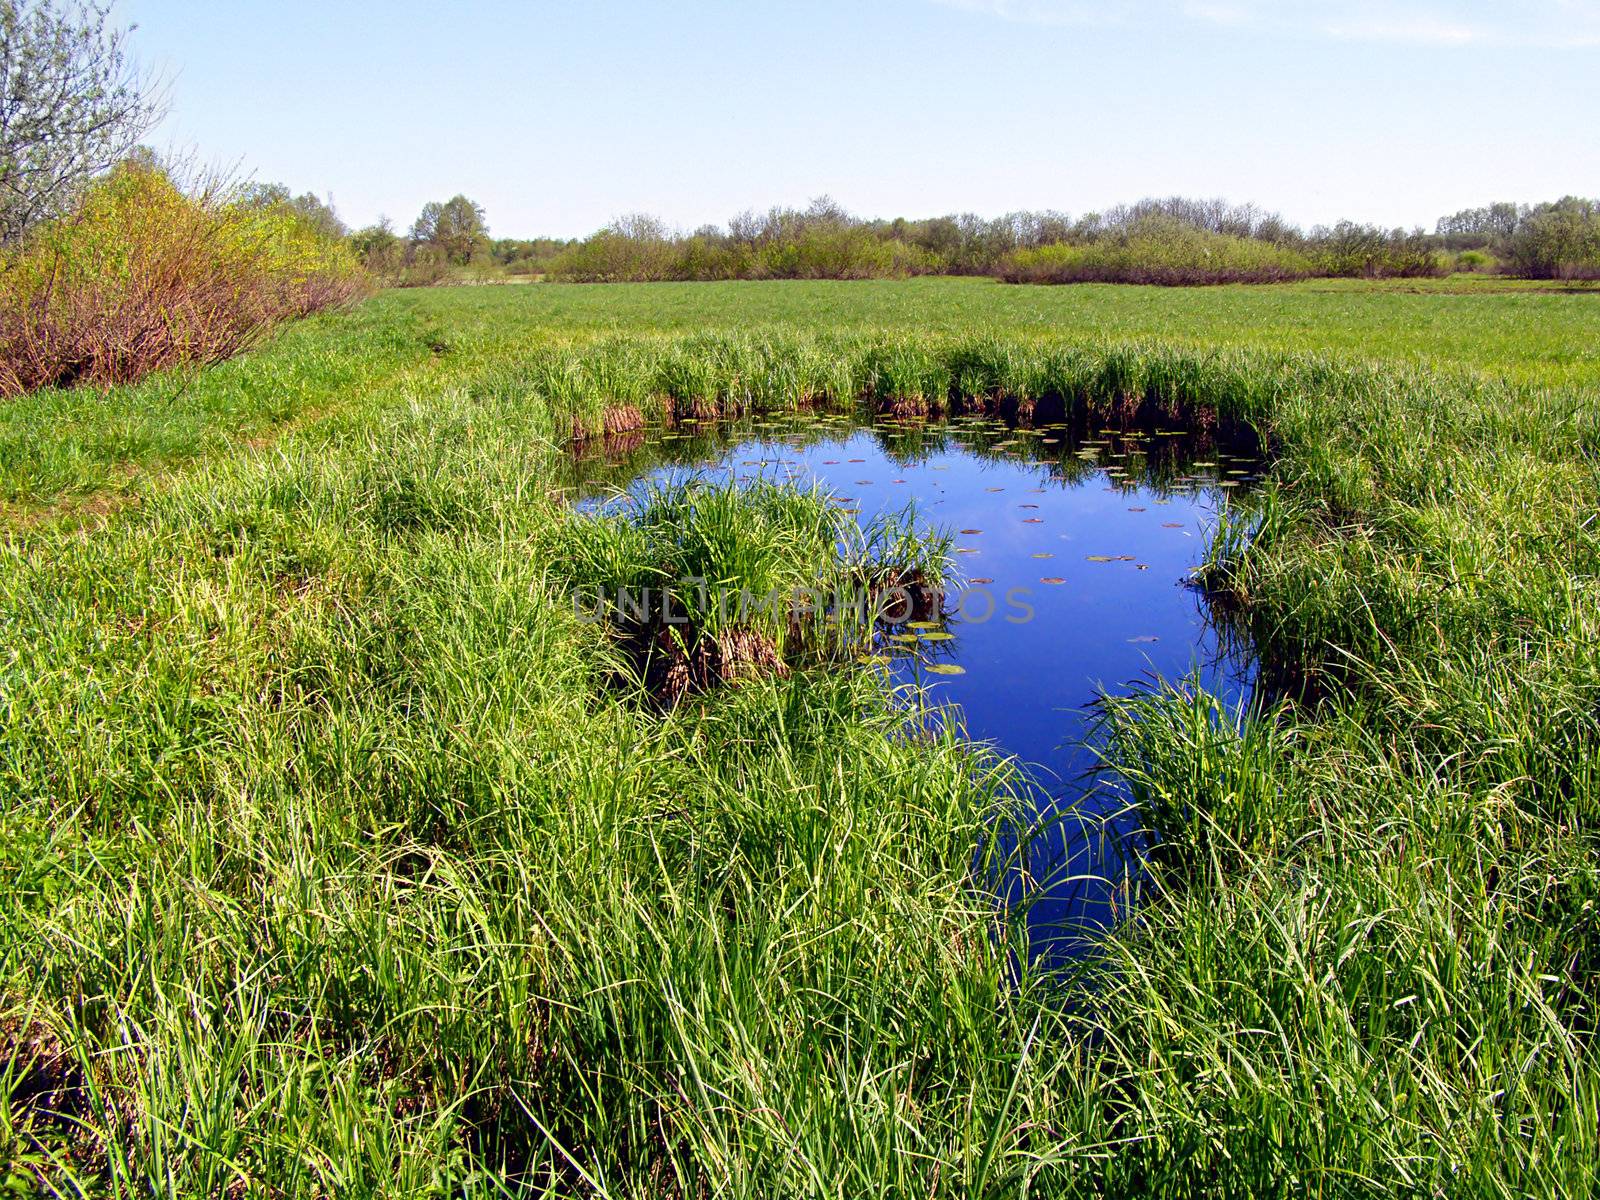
(1563, 24)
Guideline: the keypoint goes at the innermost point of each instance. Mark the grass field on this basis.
(335, 861)
(56, 445)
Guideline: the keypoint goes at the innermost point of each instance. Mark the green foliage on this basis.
(379, 249)
(1559, 241)
(639, 248)
(312, 211)
(1366, 251)
(142, 277)
(454, 231)
(1159, 251)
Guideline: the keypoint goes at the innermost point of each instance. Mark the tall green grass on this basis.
(334, 859)
(66, 448)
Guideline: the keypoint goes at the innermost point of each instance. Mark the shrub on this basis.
(1475, 261)
(1365, 251)
(142, 276)
(1159, 252)
(1559, 241)
(820, 243)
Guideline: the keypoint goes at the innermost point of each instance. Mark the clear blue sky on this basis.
(559, 115)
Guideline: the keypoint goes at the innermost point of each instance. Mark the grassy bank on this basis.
(337, 860)
(58, 447)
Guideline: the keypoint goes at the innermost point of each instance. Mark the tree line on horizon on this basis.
(1172, 240)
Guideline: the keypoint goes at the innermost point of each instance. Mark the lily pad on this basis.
(1052, 579)
(945, 669)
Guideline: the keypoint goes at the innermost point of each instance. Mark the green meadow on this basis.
(338, 857)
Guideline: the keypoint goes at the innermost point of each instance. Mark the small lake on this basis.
(1073, 551)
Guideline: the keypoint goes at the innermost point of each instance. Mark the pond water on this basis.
(1073, 551)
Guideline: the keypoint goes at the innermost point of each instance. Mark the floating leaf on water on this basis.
(937, 636)
(1124, 558)
(1227, 483)
(922, 624)
(992, 489)
(855, 460)
(897, 481)
(1172, 524)
(980, 579)
(863, 483)
(850, 511)
(946, 669)
(830, 462)
(1052, 579)
(874, 660)
(1102, 558)
(906, 638)
(1136, 510)
(1044, 554)
(970, 532)
(1147, 637)
(967, 550)
(844, 499)
(1033, 520)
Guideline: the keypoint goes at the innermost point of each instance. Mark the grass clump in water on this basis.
(707, 583)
